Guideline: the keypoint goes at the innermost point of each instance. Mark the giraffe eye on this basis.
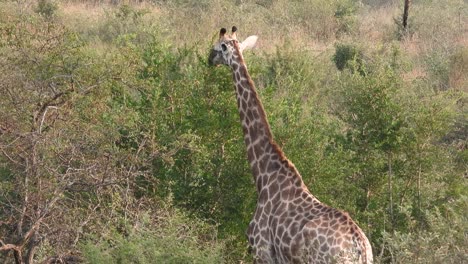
(224, 47)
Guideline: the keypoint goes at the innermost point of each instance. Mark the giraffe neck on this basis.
(264, 155)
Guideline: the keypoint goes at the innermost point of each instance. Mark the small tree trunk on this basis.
(390, 190)
(32, 249)
(18, 256)
(405, 14)
(419, 188)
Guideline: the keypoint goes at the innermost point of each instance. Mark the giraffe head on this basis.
(228, 49)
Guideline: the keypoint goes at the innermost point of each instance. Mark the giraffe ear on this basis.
(222, 32)
(248, 43)
(234, 34)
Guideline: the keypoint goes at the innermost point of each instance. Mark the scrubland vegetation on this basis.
(119, 144)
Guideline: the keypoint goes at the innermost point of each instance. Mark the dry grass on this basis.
(309, 26)
(377, 24)
(79, 15)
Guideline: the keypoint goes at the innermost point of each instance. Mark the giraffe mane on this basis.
(262, 113)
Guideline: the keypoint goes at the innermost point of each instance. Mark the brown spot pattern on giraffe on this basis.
(290, 224)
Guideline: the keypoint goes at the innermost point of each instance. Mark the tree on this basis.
(53, 166)
(405, 14)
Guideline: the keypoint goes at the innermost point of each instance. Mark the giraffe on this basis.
(290, 225)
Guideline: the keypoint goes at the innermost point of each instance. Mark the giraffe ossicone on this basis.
(289, 225)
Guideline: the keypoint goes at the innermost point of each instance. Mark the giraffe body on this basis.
(289, 225)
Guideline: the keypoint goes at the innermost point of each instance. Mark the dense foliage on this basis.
(119, 144)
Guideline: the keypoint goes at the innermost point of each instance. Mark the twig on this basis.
(43, 116)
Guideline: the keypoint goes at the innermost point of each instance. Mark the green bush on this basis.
(348, 56)
(345, 15)
(439, 243)
(390, 132)
(46, 8)
(124, 20)
(174, 239)
(437, 65)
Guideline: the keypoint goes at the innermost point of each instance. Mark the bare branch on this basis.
(4, 247)
(43, 116)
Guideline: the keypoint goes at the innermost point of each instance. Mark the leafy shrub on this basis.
(345, 14)
(175, 239)
(458, 67)
(124, 20)
(46, 8)
(402, 32)
(439, 243)
(437, 65)
(348, 56)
